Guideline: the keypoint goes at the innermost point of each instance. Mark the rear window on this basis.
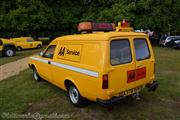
(141, 49)
(120, 52)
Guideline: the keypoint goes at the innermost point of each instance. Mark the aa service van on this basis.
(104, 67)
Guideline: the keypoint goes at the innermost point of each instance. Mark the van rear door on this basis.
(144, 61)
(121, 62)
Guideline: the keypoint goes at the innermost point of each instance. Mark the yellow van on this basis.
(26, 43)
(102, 67)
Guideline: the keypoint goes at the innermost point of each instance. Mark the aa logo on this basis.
(132, 76)
(62, 51)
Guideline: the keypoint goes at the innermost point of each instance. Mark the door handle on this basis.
(110, 69)
(49, 62)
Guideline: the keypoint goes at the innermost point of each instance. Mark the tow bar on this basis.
(136, 96)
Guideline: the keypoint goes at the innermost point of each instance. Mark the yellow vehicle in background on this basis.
(7, 47)
(26, 43)
(103, 67)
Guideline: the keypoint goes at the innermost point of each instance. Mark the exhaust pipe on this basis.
(153, 86)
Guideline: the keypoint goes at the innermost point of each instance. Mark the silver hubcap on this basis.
(10, 53)
(35, 75)
(74, 95)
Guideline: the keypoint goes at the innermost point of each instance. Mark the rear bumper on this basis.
(114, 100)
(110, 102)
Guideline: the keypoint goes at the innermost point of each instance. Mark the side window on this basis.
(49, 53)
(176, 38)
(141, 49)
(29, 40)
(120, 52)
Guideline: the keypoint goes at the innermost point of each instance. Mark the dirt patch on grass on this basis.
(13, 68)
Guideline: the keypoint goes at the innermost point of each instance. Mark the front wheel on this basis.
(36, 75)
(74, 96)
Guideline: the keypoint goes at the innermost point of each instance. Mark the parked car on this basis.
(175, 43)
(7, 48)
(26, 43)
(170, 41)
(104, 67)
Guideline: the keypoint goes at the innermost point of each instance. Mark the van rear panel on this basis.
(131, 64)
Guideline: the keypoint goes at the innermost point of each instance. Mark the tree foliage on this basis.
(63, 15)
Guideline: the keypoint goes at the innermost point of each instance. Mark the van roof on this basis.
(100, 36)
(21, 38)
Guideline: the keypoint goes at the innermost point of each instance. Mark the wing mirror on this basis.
(41, 54)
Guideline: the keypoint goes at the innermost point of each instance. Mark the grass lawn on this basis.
(21, 95)
(19, 55)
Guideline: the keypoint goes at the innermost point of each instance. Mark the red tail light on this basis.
(105, 82)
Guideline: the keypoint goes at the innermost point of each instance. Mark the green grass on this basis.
(19, 55)
(20, 94)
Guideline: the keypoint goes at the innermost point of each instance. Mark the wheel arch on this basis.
(9, 45)
(69, 81)
(32, 66)
(19, 47)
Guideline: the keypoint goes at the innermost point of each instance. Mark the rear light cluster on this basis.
(105, 81)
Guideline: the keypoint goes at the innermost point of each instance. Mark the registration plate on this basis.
(131, 91)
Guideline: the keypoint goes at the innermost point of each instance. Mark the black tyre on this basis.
(19, 48)
(39, 46)
(74, 96)
(9, 52)
(174, 46)
(36, 75)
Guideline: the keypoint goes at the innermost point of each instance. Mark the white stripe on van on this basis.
(69, 67)
(38, 59)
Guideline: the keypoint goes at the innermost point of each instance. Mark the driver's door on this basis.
(29, 43)
(45, 67)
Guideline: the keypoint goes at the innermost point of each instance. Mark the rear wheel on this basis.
(9, 52)
(39, 46)
(74, 96)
